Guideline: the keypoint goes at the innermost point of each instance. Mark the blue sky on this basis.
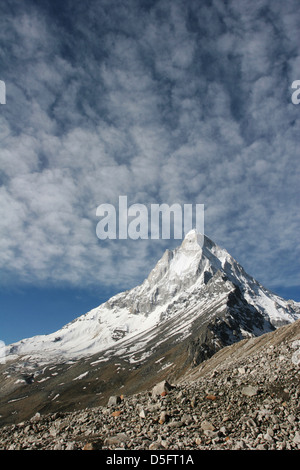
(162, 101)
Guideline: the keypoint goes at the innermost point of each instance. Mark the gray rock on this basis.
(175, 424)
(116, 440)
(143, 413)
(36, 418)
(70, 446)
(207, 426)
(161, 387)
(296, 439)
(249, 391)
(114, 400)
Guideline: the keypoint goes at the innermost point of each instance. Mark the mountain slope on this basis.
(245, 397)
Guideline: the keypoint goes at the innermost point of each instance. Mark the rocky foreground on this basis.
(246, 397)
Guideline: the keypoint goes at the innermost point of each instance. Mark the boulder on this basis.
(161, 389)
(114, 400)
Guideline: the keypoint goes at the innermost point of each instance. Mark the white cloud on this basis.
(175, 103)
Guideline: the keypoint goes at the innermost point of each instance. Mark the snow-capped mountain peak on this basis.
(192, 284)
(193, 240)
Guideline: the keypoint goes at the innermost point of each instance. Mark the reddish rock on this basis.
(211, 397)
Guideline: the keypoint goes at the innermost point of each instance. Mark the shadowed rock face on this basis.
(196, 301)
